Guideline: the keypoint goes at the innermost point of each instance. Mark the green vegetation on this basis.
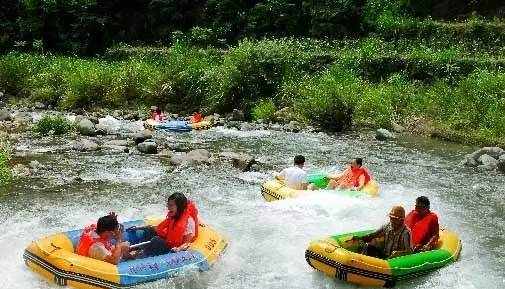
(336, 64)
(52, 124)
(264, 110)
(5, 171)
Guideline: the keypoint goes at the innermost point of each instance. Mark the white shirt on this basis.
(190, 227)
(294, 177)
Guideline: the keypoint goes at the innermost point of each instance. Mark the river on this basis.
(267, 240)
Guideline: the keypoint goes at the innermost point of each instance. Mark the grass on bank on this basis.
(369, 82)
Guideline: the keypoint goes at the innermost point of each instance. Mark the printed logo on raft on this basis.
(170, 261)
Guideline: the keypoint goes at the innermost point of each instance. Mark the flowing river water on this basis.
(267, 240)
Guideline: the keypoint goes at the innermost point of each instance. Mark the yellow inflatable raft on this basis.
(53, 258)
(336, 257)
(275, 190)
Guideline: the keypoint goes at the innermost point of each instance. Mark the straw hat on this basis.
(397, 212)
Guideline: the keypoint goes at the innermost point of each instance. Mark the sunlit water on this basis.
(267, 240)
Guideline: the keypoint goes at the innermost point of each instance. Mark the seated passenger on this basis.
(196, 117)
(157, 115)
(354, 177)
(396, 237)
(423, 225)
(96, 241)
(294, 177)
(176, 232)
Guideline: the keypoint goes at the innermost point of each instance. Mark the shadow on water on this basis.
(267, 240)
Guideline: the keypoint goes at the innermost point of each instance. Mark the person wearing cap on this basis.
(423, 225)
(294, 177)
(354, 177)
(396, 237)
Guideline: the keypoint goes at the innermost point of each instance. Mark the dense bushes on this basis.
(332, 84)
(52, 124)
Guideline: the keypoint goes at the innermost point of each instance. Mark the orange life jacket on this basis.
(172, 231)
(352, 175)
(196, 117)
(88, 238)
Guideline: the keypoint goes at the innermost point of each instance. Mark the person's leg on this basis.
(140, 234)
(373, 251)
(332, 184)
(155, 247)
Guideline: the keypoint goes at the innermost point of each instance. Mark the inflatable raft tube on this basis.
(176, 125)
(335, 256)
(53, 258)
(275, 190)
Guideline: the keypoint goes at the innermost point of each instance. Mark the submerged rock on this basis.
(148, 147)
(5, 115)
(198, 156)
(240, 161)
(142, 136)
(384, 134)
(85, 145)
(488, 161)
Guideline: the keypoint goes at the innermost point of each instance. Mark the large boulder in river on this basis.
(198, 156)
(495, 152)
(501, 164)
(5, 115)
(239, 160)
(86, 127)
(85, 145)
(384, 134)
(488, 161)
(148, 147)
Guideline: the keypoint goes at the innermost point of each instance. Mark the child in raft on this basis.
(97, 241)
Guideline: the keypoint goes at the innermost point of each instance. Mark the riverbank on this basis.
(434, 89)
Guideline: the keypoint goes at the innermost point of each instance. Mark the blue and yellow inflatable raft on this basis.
(53, 258)
(177, 125)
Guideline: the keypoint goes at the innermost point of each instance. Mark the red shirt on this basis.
(422, 229)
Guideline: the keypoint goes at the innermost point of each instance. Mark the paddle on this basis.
(139, 245)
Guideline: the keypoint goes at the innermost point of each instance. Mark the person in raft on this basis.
(354, 177)
(156, 114)
(396, 237)
(196, 117)
(294, 177)
(97, 241)
(175, 233)
(423, 225)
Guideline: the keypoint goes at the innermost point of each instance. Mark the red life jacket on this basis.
(422, 229)
(173, 231)
(352, 176)
(357, 173)
(88, 238)
(197, 117)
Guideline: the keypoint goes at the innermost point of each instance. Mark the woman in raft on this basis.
(157, 114)
(174, 234)
(354, 177)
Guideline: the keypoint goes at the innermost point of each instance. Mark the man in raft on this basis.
(96, 241)
(396, 237)
(354, 177)
(423, 225)
(295, 177)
